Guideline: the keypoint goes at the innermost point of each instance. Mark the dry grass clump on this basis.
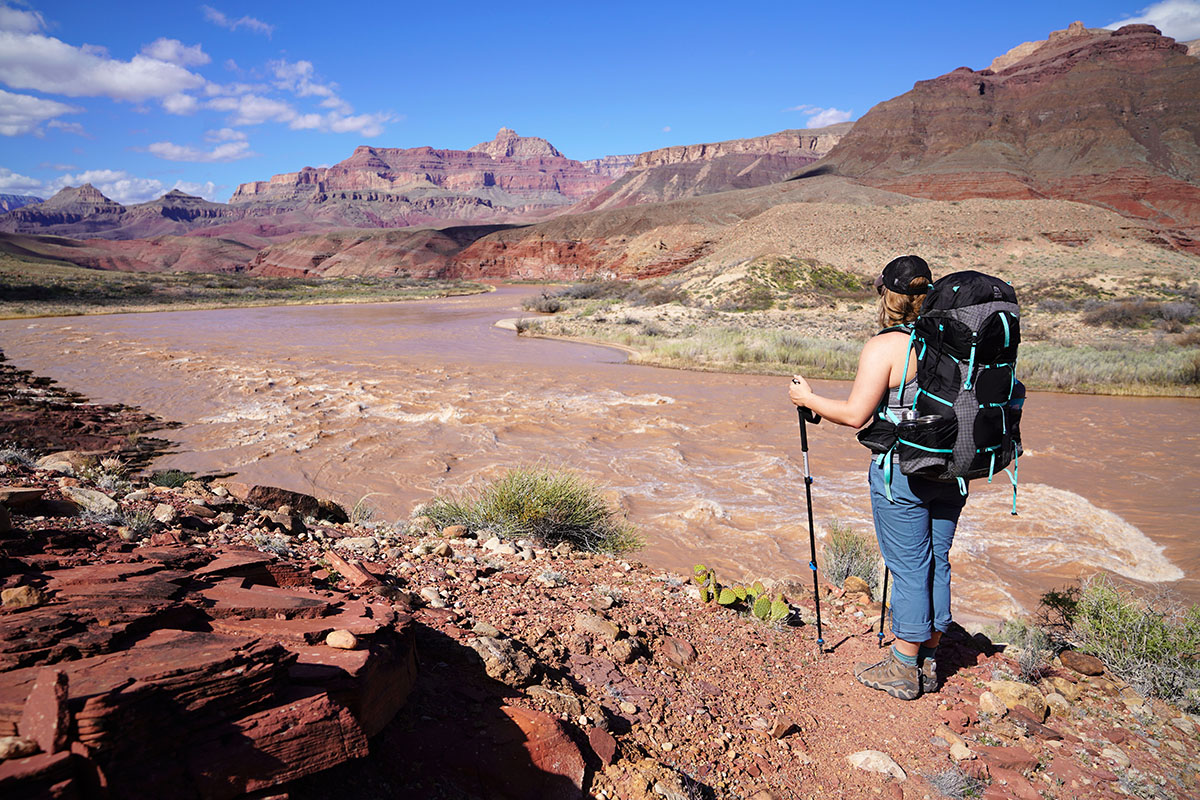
(847, 552)
(1112, 370)
(540, 504)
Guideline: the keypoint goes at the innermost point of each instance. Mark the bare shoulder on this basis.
(886, 344)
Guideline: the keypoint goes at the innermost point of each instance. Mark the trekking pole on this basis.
(883, 605)
(805, 415)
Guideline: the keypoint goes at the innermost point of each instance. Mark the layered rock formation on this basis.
(611, 166)
(85, 211)
(11, 202)
(1104, 117)
(510, 177)
(671, 173)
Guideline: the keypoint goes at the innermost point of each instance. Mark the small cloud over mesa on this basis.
(249, 23)
(1179, 19)
(819, 117)
(230, 145)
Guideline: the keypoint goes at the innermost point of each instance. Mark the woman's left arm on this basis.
(870, 382)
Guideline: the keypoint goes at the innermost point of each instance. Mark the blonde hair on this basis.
(898, 309)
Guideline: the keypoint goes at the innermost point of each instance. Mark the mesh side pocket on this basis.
(927, 450)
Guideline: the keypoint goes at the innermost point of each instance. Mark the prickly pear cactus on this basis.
(727, 597)
(779, 609)
(762, 608)
(758, 589)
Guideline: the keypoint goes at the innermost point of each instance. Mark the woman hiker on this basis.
(915, 527)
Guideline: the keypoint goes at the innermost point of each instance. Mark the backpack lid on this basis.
(967, 288)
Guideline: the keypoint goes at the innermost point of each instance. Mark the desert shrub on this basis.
(542, 504)
(1154, 646)
(13, 454)
(546, 304)
(1029, 645)
(525, 326)
(956, 784)
(173, 478)
(139, 520)
(1140, 313)
(847, 552)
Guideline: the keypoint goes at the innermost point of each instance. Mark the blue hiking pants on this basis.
(915, 530)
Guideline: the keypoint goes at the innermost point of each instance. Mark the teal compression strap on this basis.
(885, 461)
(926, 449)
(962, 487)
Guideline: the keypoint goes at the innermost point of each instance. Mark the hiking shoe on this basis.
(929, 676)
(892, 676)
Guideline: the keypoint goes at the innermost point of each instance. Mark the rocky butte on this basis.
(1105, 117)
(510, 177)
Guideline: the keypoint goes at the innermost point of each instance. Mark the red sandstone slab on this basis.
(14, 496)
(99, 573)
(234, 561)
(307, 734)
(351, 571)
(354, 617)
(230, 599)
(43, 776)
(45, 718)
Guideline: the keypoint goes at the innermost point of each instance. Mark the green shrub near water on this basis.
(847, 552)
(1154, 646)
(545, 505)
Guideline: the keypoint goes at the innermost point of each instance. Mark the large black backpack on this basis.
(968, 399)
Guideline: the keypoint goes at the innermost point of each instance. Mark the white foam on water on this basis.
(1058, 527)
(443, 415)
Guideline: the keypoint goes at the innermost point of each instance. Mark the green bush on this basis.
(173, 478)
(847, 552)
(1155, 647)
(1030, 648)
(549, 506)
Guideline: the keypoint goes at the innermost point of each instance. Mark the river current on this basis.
(396, 402)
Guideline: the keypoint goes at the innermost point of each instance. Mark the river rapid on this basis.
(396, 402)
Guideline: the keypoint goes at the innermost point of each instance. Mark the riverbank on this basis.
(543, 671)
(1147, 347)
(43, 289)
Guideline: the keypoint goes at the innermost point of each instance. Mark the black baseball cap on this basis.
(900, 272)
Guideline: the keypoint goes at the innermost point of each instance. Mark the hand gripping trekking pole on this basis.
(807, 415)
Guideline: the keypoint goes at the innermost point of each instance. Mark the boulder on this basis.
(45, 717)
(677, 652)
(1015, 693)
(23, 597)
(1082, 663)
(536, 758)
(91, 500)
(876, 761)
(598, 626)
(505, 662)
(65, 462)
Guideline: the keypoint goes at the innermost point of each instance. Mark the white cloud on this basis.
(819, 117)
(364, 124)
(69, 127)
(666, 129)
(296, 77)
(249, 23)
(1179, 19)
(115, 184)
(207, 190)
(231, 146)
(14, 19)
(22, 113)
(254, 109)
(30, 61)
(15, 183)
(180, 103)
(176, 52)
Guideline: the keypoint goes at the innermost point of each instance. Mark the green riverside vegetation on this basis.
(1090, 344)
(51, 289)
(545, 505)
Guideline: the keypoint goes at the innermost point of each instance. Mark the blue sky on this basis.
(138, 98)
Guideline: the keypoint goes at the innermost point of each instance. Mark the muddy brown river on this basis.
(397, 402)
